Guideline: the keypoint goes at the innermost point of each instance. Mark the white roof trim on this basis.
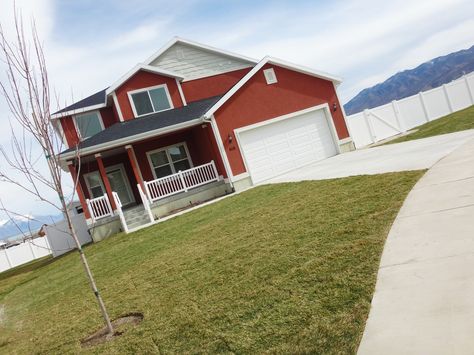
(275, 61)
(77, 111)
(137, 68)
(131, 139)
(175, 40)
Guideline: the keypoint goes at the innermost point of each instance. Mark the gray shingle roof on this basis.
(95, 99)
(150, 122)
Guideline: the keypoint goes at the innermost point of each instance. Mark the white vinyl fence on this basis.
(23, 253)
(57, 242)
(397, 117)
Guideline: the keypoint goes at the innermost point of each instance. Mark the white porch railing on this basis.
(118, 204)
(146, 203)
(181, 181)
(99, 207)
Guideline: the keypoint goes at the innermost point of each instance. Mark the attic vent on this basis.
(179, 54)
(270, 76)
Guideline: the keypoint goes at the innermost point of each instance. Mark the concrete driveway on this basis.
(424, 296)
(412, 155)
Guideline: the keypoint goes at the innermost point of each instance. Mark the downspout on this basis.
(220, 145)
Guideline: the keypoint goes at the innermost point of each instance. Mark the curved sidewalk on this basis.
(424, 296)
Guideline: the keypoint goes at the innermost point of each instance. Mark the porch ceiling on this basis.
(127, 132)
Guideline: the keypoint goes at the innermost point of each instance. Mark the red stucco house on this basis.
(192, 123)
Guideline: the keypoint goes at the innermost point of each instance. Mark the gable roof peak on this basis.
(137, 68)
(181, 40)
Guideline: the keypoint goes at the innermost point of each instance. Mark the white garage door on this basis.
(279, 147)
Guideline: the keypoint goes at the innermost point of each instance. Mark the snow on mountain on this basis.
(24, 224)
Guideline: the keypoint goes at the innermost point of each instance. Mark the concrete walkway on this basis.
(424, 297)
(411, 155)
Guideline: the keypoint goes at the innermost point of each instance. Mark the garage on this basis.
(286, 144)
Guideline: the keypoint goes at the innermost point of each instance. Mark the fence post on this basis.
(398, 116)
(8, 258)
(215, 169)
(423, 105)
(91, 210)
(181, 177)
(31, 249)
(446, 94)
(369, 126)
(147, 191)
(471, 96)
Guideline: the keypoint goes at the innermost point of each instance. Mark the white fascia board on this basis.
(256, 68)
(198, 45)
(77, 111)
(137, 68)
(305, 70)
(130, 139)
(234, 89)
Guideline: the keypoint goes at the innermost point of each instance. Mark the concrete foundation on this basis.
(243, 184)
(347, 147)
(198, 195)
(105, 228)
(111, 225)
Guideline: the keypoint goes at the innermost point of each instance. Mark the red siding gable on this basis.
(141, 80)
(257, 101)
(210, 86)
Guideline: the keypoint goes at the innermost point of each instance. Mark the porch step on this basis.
(136, 217)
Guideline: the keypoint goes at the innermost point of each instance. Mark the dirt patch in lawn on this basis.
(119, 324)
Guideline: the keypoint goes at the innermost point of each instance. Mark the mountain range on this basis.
(428, 75)
(11, 227)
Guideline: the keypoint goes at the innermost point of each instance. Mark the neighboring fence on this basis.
(23, 253)
(397, 117)
(57, 241)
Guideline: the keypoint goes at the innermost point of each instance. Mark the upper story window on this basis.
(88, 124)
(150, 100)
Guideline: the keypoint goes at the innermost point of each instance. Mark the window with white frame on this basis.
(150, 100)
(169, 160)
(88, 124)
(270, 76)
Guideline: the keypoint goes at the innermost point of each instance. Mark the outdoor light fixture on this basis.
(230, 139)
(334, 107)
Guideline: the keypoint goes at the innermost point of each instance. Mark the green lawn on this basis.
(457, 121)
(287, 268)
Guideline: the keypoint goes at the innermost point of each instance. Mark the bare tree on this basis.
(28, 96)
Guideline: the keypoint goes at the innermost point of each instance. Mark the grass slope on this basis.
(457, 121)
(287, 268)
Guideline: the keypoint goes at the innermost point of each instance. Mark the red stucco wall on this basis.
(199, 89)
(257, 101)
(141, 80)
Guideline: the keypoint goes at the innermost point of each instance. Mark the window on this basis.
(169, 160)
(150, 100)
(94, 183)
(88, 124)
(270, 76)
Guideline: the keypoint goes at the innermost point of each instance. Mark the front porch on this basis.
(129, 187)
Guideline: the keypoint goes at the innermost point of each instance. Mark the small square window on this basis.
(270, 76)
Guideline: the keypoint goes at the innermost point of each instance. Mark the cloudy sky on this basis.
(89, 44)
